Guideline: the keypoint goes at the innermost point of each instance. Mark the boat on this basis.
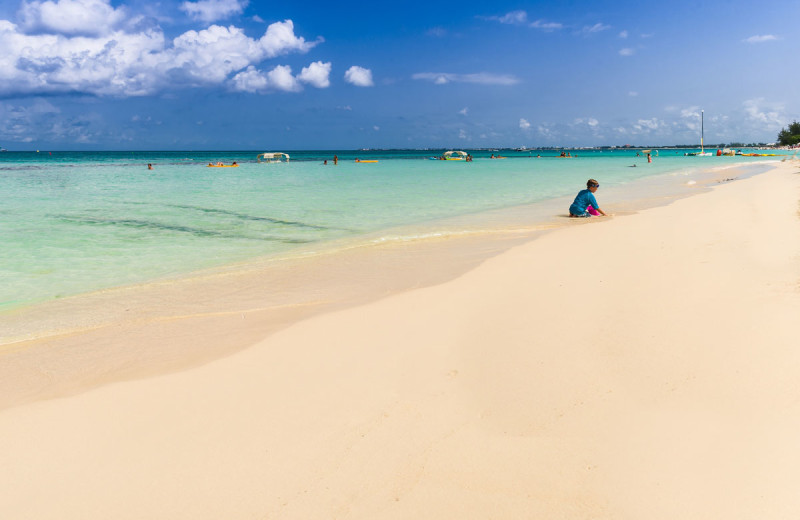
(366, 160)
(234, 165)
(455, 155)
(273, 157)
(702, 152)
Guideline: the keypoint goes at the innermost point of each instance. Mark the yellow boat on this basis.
(361, 160)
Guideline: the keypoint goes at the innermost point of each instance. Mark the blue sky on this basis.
(239, 74)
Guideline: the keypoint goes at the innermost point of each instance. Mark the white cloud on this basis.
(623, 34)
(250, 80)
(598, 27)
(521, 18)
(281, 78)
(71, 17)
(524, 124)
(462, 134)
(213, 10)
(316, 74)
(483, 78)
(546, 26)
(648, 125)
(759, 111)
(359, 76)
(210, 55)
(690, 117)
(633, 93)
(626, 52)
(690, 112)
(376, 128)
(513, 18)
(120, 63)
(589, 121)
(760, 38)
(438, 32)
(280, 39)
(463, 111)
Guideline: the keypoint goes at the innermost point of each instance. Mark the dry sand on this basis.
(636, 367)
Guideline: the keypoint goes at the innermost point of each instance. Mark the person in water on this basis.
(585, 205)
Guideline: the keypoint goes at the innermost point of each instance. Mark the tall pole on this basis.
(702, 129)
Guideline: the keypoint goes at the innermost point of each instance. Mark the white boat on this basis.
(455, 155)
(273, 157)
(702, 152)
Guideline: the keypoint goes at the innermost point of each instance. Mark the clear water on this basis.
(73, 222)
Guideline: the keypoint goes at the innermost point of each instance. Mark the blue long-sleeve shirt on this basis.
(582, 201)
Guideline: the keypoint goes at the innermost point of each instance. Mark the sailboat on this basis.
(702, 152)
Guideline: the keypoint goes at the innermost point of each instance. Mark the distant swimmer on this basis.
(234, 164)
(149, 166)
(335, 160)
(585, 204)
(632, 166)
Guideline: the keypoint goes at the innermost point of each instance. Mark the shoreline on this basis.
(115, 334)
(642, 368)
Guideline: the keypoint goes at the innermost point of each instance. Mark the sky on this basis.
(325, 75)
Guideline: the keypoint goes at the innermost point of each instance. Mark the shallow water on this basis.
(74, 222)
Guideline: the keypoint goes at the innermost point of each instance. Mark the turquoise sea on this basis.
(74, 222)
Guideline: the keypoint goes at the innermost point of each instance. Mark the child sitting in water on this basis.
(585, 205)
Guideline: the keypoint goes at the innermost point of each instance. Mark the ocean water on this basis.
(75, 222)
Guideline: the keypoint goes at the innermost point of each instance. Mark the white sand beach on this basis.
(640, 366)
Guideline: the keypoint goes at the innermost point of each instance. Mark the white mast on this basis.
(702, 112)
